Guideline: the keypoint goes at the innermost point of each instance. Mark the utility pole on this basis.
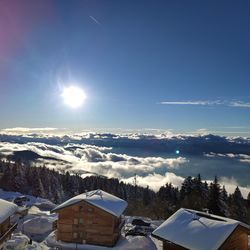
(135, 182)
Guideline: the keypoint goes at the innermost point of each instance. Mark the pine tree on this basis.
(238, 209)
(224, 202)
(248, 200)
(146, 197)
(7, 178)
(214, 202)
(196, 194)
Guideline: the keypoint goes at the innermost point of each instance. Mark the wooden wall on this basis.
(238, 240)
(85, 223)
(171, 246)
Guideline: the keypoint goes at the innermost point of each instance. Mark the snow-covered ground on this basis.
(124, 243)
(20, 241)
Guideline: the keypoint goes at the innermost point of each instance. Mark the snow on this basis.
(7, 209)
(37, 225)
(18, 241)
(128, 243)
(196, 231)
(39, 202)
(98, 198)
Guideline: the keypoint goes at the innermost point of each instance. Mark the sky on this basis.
(171, 65)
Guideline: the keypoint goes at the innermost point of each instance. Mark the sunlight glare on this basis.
(73, 96)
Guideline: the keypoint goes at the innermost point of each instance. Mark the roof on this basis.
(7, 209)
(98, 198)
(197, 230)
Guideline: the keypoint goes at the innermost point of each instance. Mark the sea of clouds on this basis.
(155, 159)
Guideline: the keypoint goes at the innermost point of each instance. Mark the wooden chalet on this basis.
(7, 210)
(90, 218)
(194, 230)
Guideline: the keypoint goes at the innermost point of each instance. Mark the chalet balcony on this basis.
(7, 233)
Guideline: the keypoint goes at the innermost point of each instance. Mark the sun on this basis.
(73, 96)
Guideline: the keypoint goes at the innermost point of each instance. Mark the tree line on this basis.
(194, 193)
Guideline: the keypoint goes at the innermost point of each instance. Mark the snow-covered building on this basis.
(7, 209)
(190, 229)
(92, 218)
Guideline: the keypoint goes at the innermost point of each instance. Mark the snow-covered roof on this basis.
(197, 230)
(100, 199)
(6, 209)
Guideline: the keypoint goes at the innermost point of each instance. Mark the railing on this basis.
(7, 233)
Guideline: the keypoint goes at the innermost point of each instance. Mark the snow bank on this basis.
(128, 243)
(18, 241)
(39, 202)
(37, 225)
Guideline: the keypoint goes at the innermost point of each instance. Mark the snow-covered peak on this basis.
(98, 198)
(7, 209)
(197, 230)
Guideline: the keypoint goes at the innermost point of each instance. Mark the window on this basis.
(81, 209)
(81, 234)
(90, 210)
(75, 221)
(75, 235)
(81, 221)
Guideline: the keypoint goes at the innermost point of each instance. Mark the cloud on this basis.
(155, 181)
(235, 104)
(94, 159)
(244, 158)
(154, 144)
(239, 104)
(231, 183)
(22, 129)
(200, 103)
(151, 157)
(95, 20)
(28, 130)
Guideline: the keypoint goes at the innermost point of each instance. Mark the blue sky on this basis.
(181, 65)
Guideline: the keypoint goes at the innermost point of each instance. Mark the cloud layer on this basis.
(153, 158)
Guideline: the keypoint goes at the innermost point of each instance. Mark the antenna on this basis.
(135, 180)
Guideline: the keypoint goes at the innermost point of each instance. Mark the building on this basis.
(190, 229)
(91, 218)
(7, 210)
